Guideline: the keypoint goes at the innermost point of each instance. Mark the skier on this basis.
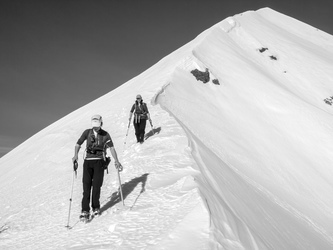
(141, 114)
(97, 140)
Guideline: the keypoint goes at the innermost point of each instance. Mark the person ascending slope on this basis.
(97, 140)
(141, 114)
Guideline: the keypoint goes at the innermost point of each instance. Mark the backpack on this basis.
(90, 147)
(140, 111)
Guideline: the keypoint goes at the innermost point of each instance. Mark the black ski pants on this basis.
(93, 174)
(140, 129)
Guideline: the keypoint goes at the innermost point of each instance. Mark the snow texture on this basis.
(243, 164)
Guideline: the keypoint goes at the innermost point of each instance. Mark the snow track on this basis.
(252, 94)
(158, 189)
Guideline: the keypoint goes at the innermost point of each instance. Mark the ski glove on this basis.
(119, 167)
(75, 165)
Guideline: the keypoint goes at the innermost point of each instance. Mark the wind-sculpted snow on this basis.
(262, 138)
(243, 134)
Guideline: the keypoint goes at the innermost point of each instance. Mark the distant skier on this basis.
(97, 140)
(141, 114)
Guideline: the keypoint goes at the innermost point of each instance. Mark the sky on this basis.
(57, 56)
(242, 160)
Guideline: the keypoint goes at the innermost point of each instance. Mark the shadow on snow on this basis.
(127, 188)
(152, 132)
(4, 228)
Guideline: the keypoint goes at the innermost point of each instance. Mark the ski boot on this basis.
(84, 216)
(96, 212)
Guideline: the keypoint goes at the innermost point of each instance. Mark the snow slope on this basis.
(242, 161)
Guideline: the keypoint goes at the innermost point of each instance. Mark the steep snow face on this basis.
(250, 104)
(255, 100)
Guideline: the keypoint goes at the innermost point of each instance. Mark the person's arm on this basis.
(131, 113)
(147, 112)
(115, 157)
(78, 145)
(130, 116)
(76, 152)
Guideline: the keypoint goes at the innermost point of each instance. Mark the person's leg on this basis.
(97, 183)
(137, 130)
(142, 129)
(87, 182)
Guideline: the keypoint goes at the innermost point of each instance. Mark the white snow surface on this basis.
(246, 164)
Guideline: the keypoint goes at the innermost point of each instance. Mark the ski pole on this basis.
(70, 199)
(151, 125)
(129, 124)
(120, 189)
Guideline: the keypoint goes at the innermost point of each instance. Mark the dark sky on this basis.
(56, 56)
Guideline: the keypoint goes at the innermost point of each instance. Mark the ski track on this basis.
(152, 209)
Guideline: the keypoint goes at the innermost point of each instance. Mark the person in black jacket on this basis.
(141, 114)
(97, 141)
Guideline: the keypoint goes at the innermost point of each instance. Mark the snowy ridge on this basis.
(239, 158)
(254, 123)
